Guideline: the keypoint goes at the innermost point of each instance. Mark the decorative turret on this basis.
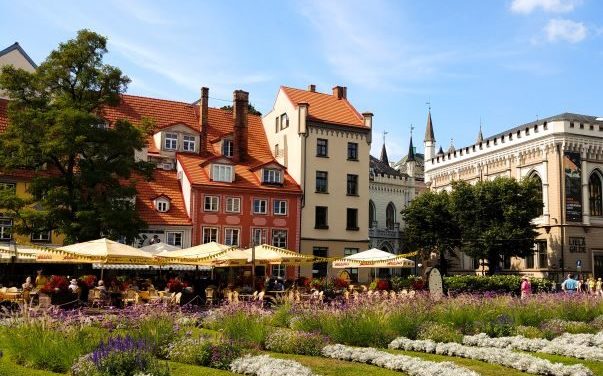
(451, 148)
(429, 141)
(384, 158)
(410, 160)
(480, 136)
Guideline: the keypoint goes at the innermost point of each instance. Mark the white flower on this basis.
(502, 356)
(411, 365)
(264, 365)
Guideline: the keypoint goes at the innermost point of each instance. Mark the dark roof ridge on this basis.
(17, 46)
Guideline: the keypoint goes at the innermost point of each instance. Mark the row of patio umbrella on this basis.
(108, 252)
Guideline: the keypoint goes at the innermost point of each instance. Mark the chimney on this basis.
(203, 122)
(312, 88)
(367, 117)
(340, 92)
(240, 102)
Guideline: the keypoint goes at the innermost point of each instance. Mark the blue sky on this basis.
(505, 62)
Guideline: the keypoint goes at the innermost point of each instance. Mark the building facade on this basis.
(565, 154)
(325, 144)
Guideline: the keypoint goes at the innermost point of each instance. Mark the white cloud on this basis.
(565, 30)
(553, 6)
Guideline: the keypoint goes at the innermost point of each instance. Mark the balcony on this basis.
(391, 233)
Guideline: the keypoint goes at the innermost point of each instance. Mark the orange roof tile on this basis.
(163, 183)
(325, 107)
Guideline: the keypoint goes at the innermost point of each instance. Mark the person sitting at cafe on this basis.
(73, 287)
(41, 280)
(28, 286)
(101, 287)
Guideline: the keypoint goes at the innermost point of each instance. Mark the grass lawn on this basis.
(596, 367)
(333, 367)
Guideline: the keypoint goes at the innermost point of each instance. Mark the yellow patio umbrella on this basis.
(268, 254)
(202, 254)
(38, 254)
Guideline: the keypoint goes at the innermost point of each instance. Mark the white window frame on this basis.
(213, 233)
(6, 226)
(272, 176)
(213, 201)
(233, 204)
(227, 147)
(229, 236)
(6, 185)
(174, 233)
(280, 244)
(258, 200)
(263, 235)
(279, 271)
(221, 172)
(162, 205)
(189, 143)
(42, 236)
(279, 207)
(171, 141)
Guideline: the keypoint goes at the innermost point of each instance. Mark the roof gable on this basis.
(17, 47)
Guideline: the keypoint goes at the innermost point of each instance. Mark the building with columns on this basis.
(565, 154)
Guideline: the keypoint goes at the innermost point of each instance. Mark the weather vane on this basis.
(428, 103)
(384, 133)
(411, 129)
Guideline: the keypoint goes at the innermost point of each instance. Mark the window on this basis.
(352, 219)
(352, 151)
(272, 176)
(353, 272)
(227, 147)
(476, 262)
(506, 262)
(211, 203)
(530, 261)
(6, 228)
(278, 271)
(259, 206)
(233, 204)
(231, 236)
(171, 141)
(277, 151)
(322, 147)
(277, 124)
(538, 181)
(280, 207)
(174, 238)
(577, 244)
(279, 238)
(210, 234)
(322, 182)
(259, 235)
(221, 173)
(7, 186)
(319, 269)
(162, 205)
(188, 143)
(42, 236)
(284, 121)
(541, 254)
(352, 185)
(595, 195)
(390, 216)
(372, 214)
(320, 218)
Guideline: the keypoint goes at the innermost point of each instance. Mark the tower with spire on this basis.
(429, 142)
(410, 160)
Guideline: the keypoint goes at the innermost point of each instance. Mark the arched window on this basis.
(538, 181)
(594, 192)
(372, 214)
(390, 216)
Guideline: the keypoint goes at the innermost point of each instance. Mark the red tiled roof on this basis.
(325, 107)
(164, 183)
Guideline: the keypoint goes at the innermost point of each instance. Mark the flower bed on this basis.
(504, 357)
(571, 345)
(264, 365)
(410, 365)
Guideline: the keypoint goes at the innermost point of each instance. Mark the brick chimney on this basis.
(240, 102)
(312, 88)
(203, 122)
(340, 92)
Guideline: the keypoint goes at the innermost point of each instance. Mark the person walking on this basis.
(591, 284)
(570, 285)
(599, 287)
(526, 287)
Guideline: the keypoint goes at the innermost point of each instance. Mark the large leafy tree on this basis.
(430, 227)
(495, 218)
(81, 184)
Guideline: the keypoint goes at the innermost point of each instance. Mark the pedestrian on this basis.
(526, 287)
(599, 287)
(591, 284)
(570, 285)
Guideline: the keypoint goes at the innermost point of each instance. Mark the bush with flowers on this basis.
(290, 341)
(204, 351)
(176, 285)
(56, 284)
(88, 280)
(340, 283)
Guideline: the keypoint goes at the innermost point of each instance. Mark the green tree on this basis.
(252, 110)
(430, 227)
(81, 184)
(495, 218)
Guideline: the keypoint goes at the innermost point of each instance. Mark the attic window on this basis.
(162, 204)
(272, 176)
(220, 172)
(227, 147)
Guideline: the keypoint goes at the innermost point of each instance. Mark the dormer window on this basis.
(162, 204)
(188, 143)
(220, 172)
(227, 147)
(171, 141)
(272, 176)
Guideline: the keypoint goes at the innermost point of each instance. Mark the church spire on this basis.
(384, 158)
(429, 129)
(480, 136)
(411, 149)
(429, 140)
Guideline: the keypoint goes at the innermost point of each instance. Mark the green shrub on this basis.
(502, 326)
(246, 325)
(496, 283)
(555, 327)
(156, 330)
(439, 332)
(597, 323)
(295, 342)
(203, 352)
(529, 332)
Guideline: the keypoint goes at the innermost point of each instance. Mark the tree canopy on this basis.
(490, 220)
(81, 168)
(252, 110)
